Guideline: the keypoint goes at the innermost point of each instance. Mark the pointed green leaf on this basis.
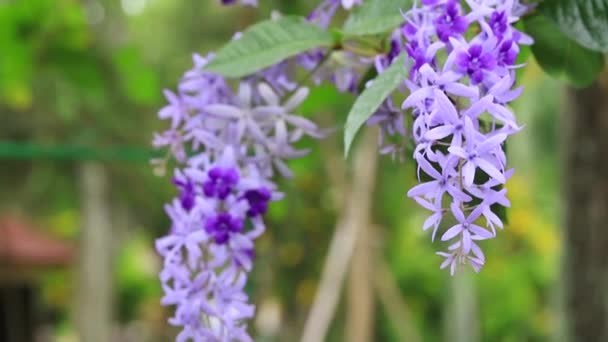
(585, 21)
(376, 16)
(560, 56)
(268, 43)
(371, 99)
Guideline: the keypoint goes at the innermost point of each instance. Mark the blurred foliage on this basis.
(84, 73)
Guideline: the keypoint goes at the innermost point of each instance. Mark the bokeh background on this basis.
(80, 206)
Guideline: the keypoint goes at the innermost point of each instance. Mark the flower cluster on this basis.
(210, 248)
(229, 145)
(459, 92)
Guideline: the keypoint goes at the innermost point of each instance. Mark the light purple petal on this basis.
(452, 232)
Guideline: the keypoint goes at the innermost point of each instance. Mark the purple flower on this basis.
(220, 182)
(507, 53)
(466, 228)
(258, 201)
(475, 62)
(450, 23)
(460, 123)
(499, 23)
(187, 195)
(479, 155)
(441, 183)
(222, 225)
(455, 257)
(417, 54)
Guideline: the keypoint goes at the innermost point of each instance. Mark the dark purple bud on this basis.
(498, 23)
(187, 194)
(222, 225)
(258, 201)
(474, 62)
(450, 23)
(507, 54)
(220, 182)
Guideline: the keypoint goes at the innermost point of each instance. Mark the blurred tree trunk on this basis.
(462, 320)
(360, 305)
(356, 214)
(585, 185)
(95, 271)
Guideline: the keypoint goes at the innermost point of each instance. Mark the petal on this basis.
(490, 169)
(417, 97)
(449, 78)
(466, 241)
(428, 72)
(432, 220)
(223, 111)
(296, 99)
(460, 89)
(282, 168)
(501, 86)
(475, 265)
(300, 122)
(425, 204)
(452, 232)
(245, 94)
(491, 143)
(280, 128)
(478, 252)
(458, 151)
(439, 132)
(458, 194)
(469, 173)
(428, 188)
(480, 233)
(493, 218)
(469, 130)
(428, 168)
(458, 214)
(432, 49)
(446, 262)
(257, 133)
(478, 107)
(446, 107)
(476, 212)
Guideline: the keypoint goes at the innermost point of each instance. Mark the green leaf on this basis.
(370, 100)
(560, 56)
(376, 16)
(585, 21)
(268, 43)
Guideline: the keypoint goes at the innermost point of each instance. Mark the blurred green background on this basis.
(81, 82)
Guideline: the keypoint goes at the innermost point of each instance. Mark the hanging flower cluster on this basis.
(210, 247)
(237, 141)
(459, 91)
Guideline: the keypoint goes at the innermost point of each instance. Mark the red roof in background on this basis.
(22, 245)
